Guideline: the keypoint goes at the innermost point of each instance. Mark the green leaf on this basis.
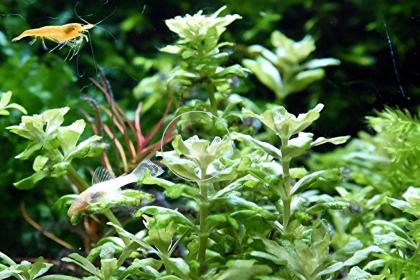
(298, 172)
(304, 79)
(321, 62)
(170, 277)
(69, 135)
(17, 107)
(90, 147)
(268, 148)
(245, 204)
(285, 124)
(220, 219)
(29, 182)
(412, 195)
(6, 259)
(356, 273)
(336, 140)
(357, 257)
(125, 234)
(310, 179)
(298, 145)
(267, 74)
(198, 159)
(5, 99)
(157, 210)
(109, 267)
(235, 186)
(58, 277)
(39, 267)
(4, 112)
(7, 273)
(244, 270)
(177, 265)
(30, 149)
(54, 118)
(39, 163)
(83, 263)
(172, 190)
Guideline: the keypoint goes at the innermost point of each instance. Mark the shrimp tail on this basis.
(18, 38)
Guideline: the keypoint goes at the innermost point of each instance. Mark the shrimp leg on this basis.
(59, 46)
(68, 55)
(32, 41)
(75, 51)
(43, 44)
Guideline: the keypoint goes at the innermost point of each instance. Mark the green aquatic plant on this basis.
(286, 125)
(391, 153)
(286, 69)
(56, 146)
(382, 182)
(24, 270)
(199, 47)
(237, 201)
(5, 104)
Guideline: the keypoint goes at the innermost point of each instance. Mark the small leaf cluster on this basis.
(286, 70)
(24, 270)
(199, 47)
(5, 104)
(383, 189)
(55, 145)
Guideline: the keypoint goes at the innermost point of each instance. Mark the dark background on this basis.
(376, 41)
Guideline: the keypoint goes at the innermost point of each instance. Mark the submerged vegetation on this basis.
(212, 174)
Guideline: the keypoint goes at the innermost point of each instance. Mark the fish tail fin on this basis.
(140, 170)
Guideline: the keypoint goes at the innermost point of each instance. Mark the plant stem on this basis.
(111, 217)
(77, 180)
(210, 91)
(126, 253)
(203, 235)
(286, 184)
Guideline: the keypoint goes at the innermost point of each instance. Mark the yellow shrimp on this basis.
(71, 34)
(57, 33)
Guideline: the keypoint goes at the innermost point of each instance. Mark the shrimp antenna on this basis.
(18, 15)
(85, 21)
(95, 24)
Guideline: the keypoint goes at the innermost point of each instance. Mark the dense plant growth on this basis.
(237, 187)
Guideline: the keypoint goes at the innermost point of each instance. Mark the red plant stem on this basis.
(156, 146)
(115, 122)
(137, 125)
(130, 145)
(98, 131)
(123, 129)
(118, 146)
(159, 125)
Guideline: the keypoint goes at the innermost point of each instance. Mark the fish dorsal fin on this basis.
(155, 170)
(101, 175)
